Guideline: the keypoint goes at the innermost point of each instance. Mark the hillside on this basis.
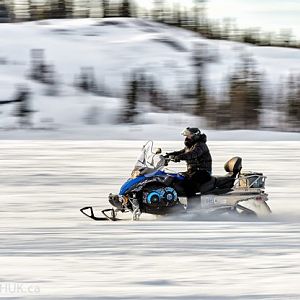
(111, 50)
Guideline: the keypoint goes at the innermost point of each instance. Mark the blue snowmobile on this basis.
(153, 190)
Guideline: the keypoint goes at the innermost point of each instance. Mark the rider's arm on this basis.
(175, 153)
(198, 150)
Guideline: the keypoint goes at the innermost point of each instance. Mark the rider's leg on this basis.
(190, 191)
(195, 180)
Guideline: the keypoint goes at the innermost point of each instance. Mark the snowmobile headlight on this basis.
(124, 199)
(135, 174)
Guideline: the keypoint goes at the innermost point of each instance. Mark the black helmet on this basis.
(191, 132)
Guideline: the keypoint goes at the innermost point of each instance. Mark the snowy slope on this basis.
(116, 47)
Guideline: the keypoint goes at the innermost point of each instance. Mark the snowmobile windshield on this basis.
(148, 161)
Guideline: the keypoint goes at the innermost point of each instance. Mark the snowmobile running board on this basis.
(105, 212)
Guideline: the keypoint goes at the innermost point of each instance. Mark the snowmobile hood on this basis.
(133, 181)
(130, 183)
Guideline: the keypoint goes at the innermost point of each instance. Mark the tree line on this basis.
(246, 103)
(194, 18)
(243, 103)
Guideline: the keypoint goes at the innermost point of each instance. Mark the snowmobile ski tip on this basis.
(89, 212)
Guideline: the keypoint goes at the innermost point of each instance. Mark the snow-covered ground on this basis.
(144, 132)
(115, 48)
(54, 252)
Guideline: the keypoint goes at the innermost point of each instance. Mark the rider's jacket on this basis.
(196, 154)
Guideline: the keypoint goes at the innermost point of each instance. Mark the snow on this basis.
(47, 244)
(115, 50)
(63, 163)
(142, 132)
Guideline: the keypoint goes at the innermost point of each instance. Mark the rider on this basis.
(198, 159)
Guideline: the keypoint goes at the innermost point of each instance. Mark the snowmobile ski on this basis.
(89, 212)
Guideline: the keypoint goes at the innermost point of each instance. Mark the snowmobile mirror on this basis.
(158, 151)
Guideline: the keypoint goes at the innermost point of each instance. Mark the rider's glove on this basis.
(176, 159)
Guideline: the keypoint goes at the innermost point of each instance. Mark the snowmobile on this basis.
(152, 189)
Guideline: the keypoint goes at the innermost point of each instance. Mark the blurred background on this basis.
(69, 68)
(81, 70)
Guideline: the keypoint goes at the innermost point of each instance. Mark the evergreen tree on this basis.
(199, 15)
(226, 29)
(158, 11)
(61, 9)
(130, 111)
(293, 102)
(50, 79)
(86, 80)
(4, 13)
(105, 8)
(245, 93)
(125, 9)
(23, 111)
(200, 60)
(176, 16)
(153, 93)
(38, 65)
(69, 8)
(201, 97)
(285, 37)
(199, 57)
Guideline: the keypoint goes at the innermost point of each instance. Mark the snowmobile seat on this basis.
(233, 166)
(208, 186)
(223, 184)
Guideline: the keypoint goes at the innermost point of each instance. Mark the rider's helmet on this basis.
(191, 133)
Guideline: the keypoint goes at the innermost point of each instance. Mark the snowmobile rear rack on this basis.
(91, 214)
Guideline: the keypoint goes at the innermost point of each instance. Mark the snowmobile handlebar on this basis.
(169, 158)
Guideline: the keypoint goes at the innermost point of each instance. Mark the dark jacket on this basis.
(196, 154)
